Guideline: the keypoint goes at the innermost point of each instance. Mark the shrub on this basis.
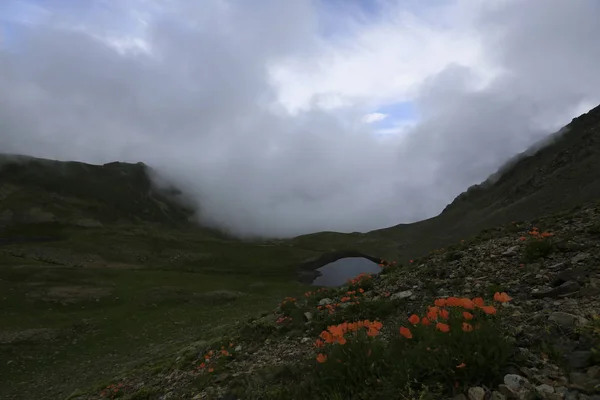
(457, 343)
(537, 248)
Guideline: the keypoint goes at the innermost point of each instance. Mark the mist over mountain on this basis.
(256, 111)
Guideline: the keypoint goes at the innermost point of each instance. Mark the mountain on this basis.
(559, 174)
(108, 290)
(36, 190)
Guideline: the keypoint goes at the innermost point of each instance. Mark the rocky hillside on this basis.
(559, 176)
(527, 295)
(36, 190)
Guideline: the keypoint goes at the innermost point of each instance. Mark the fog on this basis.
(255, 109)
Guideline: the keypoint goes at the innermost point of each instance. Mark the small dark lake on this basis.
(339, 272)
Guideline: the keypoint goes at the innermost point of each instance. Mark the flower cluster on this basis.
(337, 334)
(211, 357)
(438, 313)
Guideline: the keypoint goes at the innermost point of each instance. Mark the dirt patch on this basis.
(72, 294)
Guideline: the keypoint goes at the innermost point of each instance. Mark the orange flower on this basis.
(414, 319)
(453, 302)
(502, 297)
(468, 304)
(202, 365)
(444, 314)
(468, 316)
(405, 332)
(321, 358)
(461, 365)
(442, 327)
(478, 301)
(522, 238)
(433, 312)
(319, 343)
(341, 340)
(547, 234)
(377, 325)
(491, 310)
(425, 321)
(440, 302)
(467, 327)
(361, 290)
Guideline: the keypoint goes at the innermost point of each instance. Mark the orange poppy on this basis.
(319, 343)
(321, 358)
(405, 332)
(425, 321)
(467, 327)
(478, 301)
(502, 297)
(444, 314)
(414, 319)
(468, 316)
(468, 304)
(440, 302)
(442, 327)
(491, 310)
(461, 365)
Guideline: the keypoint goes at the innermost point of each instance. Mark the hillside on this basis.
(559, 176)
(105, 280)
(517, 313)
(36, 190)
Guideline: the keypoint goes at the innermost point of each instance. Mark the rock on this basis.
(563, 319)
(583, 382)
(544, 389)
(593, 372)
(476, 393)
(304, 340)
(497, 396)
(515, 386)
(238, 347)
(580, 257)
(579, 359)
(401, 295)
(511, 252)
(560, 291)
(575, 274)
(325, 301)
(222, 377)
(308, 315)
(460, 397)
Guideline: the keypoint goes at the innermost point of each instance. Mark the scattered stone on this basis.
(497, 396)
(544, 389)
(308, 315)
(562, 290)
(563, 319)
(401, 295)
(476, 393)
(511, 252)
(580, 257)
(579, 359)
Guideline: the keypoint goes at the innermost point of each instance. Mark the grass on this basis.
(64, 328)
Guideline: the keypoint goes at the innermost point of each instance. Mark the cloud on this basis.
(374, 117)
(258, 116)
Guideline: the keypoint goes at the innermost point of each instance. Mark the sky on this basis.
(284, 118)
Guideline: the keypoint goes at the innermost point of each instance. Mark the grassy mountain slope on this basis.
(102, 274)
(560, 176)
(39, 190)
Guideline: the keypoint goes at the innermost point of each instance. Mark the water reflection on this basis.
(339, 272)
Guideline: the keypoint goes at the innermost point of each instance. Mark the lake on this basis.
(339, 272)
